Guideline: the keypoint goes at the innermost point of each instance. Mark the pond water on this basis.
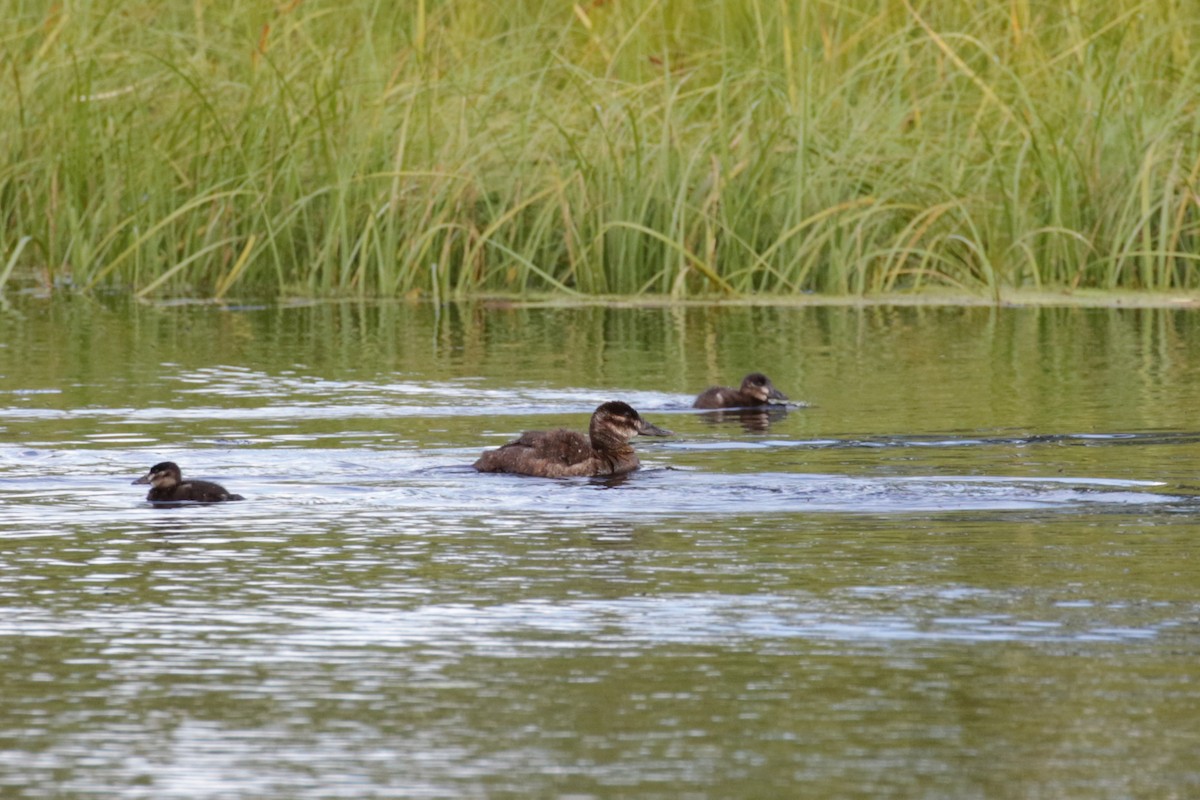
(967, 568)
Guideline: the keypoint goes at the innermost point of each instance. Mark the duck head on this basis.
(759, 386)
(617, 421)
(163, 475)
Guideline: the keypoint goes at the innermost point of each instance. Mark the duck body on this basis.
(557, 454)
(168, 486)
(756, 390)
(561, 453)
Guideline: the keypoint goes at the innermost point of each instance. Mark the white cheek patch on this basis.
(627, 429)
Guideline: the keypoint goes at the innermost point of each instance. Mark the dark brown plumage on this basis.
(562, 453)
(168, 486)
(756, 390)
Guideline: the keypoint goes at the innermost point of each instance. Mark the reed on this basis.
(676, 147)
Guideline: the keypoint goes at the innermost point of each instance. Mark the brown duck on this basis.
(562, 453)
(756, 390)
(168, 486)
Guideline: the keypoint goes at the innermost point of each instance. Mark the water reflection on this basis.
(983, 544)
(610, 481)
(751, 420)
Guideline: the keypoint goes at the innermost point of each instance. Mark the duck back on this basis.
(723, 397)
(193, 491)
(555, 454)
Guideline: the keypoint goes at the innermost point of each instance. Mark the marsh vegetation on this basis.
(675, 147)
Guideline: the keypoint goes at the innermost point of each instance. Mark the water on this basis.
(967, 569)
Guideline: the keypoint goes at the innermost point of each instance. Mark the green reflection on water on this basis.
(327, 637)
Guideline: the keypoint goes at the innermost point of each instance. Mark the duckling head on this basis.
(759, 386)
(163, 475)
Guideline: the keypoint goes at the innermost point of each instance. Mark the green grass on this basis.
(670, 147)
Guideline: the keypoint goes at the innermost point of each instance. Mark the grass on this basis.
(687, 148)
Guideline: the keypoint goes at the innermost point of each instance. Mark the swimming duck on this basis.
(756, 390)
(168, 486)
(562, 453)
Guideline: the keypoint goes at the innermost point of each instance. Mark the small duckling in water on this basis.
(562, 453)
(168, 486)
(756, 390)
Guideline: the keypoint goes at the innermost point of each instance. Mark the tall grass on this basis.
(679, 147)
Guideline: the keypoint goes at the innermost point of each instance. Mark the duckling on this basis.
(756, 390)
(167, 486)
(562, 453)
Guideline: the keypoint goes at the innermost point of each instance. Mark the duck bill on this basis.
(775, 394)
(650, 429)
(144, 479)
